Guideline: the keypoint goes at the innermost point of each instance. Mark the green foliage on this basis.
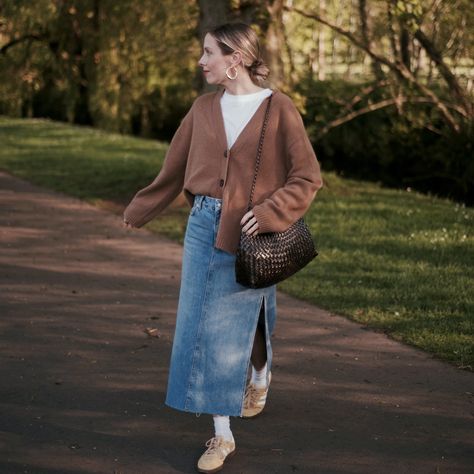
(395, 149)
(131, 67)
(103, 66)
(409, 12)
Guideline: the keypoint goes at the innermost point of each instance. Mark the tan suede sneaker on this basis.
(218, 450)
(255, 399)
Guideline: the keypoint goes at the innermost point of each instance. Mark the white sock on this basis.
(259, 377)
(222, 427)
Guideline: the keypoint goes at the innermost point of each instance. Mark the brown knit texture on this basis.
(196, 163)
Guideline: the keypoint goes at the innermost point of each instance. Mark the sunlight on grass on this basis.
(394, 260)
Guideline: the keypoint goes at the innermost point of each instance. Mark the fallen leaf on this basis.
(152, 332)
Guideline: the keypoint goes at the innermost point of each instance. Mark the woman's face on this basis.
(213, 62)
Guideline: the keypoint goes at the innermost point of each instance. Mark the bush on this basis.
(394, 149)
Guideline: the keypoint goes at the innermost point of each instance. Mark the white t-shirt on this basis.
(237, 110)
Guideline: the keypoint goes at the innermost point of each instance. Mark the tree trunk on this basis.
(367, 38)
(321, 42)
(292, 76)
(81, 110)
(405, 47)
(211, 13)
(275, 44)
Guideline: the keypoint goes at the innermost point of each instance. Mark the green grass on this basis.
(394, 260)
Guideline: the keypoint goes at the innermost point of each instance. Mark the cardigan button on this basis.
(225, 154)
(221, 183)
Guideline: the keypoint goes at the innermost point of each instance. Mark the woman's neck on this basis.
(244, 86)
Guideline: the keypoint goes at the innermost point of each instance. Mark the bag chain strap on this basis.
(259, 151)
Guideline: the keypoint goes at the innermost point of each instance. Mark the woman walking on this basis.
(222, 327)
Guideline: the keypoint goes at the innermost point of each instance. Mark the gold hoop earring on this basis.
(227, 73)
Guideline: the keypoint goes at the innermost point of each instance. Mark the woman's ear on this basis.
(236, 58)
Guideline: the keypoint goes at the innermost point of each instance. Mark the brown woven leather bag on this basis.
(265, 259)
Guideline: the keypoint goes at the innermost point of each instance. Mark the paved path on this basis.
(82, 385)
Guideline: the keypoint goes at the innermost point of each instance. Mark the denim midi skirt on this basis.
(216, 322)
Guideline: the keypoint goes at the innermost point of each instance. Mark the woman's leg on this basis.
(259, 354)
(259, 361)
(259, 349)
(219, 448)
(222, 427)
(257, 389)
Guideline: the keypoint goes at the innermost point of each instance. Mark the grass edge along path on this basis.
(394, 260)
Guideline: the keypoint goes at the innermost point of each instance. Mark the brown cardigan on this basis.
(199, 162)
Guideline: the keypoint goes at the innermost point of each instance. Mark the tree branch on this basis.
(444, 70)
(364, 93)
(21, 39)
(397, 67)
(377, 106)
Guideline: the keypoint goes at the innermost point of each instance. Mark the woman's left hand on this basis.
(249, 223)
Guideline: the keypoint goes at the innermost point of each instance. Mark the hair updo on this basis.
(241, 37)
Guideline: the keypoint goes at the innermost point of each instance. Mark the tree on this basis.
(404, 25)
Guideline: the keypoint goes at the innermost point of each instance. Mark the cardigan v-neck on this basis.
(199, 162)
(238, 109)
(249, 127)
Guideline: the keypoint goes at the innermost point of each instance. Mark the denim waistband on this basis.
(209, 202)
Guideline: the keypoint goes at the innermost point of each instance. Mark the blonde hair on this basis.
(241, 37)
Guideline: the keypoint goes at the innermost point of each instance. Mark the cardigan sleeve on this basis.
(154, 198)
(290, 202)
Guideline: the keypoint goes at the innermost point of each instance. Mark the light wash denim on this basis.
(216, 322)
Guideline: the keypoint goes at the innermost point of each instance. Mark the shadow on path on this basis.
(83, 385)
